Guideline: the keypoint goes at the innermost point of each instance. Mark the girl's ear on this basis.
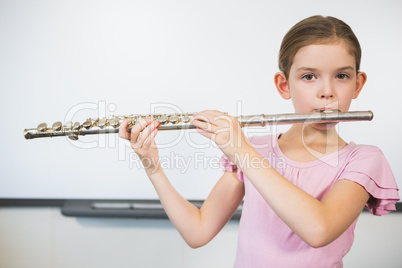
(282, 85)
(360, 81)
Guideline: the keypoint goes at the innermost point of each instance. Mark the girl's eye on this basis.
(308, 77)
(342, 76)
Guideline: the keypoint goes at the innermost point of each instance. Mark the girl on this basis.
(301, 209)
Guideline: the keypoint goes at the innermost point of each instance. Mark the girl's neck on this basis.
(308, 143)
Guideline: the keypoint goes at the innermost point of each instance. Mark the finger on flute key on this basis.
(139, 127)
(150, 132)
(123, 131)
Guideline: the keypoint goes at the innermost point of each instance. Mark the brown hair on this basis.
(317, 30)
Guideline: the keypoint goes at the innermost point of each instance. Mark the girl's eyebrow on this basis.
(346, 68)
(311, 69)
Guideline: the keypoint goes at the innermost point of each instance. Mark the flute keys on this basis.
(114, 122)
(174, 119)
(42, 127)
(68, 126)
(131, 121)
(185, 118)
(102, 122)
(73, 137)
(76, 126)
(57, 126)
(162, 119)
(88, 123)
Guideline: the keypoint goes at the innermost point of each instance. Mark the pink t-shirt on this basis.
(266, 241)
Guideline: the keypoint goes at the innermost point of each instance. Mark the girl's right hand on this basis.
(142, 140)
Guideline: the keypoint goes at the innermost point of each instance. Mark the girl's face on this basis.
(323, 76)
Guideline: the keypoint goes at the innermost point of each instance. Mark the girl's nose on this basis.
(327, 95)
(326, 92)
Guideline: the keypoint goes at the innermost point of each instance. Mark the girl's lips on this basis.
(323, 109)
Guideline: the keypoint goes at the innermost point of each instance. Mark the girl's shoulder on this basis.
(365, 153)
(368, 166)
(364, 148)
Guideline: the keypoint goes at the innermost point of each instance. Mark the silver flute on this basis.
(111, 124)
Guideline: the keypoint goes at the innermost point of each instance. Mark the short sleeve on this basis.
(368, 167)
(230, 166)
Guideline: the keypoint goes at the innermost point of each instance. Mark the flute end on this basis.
(371, 115)
(27, 134)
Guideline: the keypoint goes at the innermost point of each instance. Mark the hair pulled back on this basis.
(317, 30)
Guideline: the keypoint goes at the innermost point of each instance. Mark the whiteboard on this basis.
(79, 59)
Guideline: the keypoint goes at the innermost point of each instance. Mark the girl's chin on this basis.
(324, 126)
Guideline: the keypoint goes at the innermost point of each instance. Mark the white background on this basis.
(93, 58)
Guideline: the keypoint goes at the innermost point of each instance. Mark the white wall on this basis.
(43, 238)
(62, 60)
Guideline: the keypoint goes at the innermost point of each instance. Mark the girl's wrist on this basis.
(241, 156)
(153, 168)
(154, 173)
(250, 159)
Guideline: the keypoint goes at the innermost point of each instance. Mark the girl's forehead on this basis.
(325, 55)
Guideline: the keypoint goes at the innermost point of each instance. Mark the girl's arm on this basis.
(199, 226)
(316, 222)
(196, 226)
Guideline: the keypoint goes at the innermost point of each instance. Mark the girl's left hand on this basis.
(224, 130)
